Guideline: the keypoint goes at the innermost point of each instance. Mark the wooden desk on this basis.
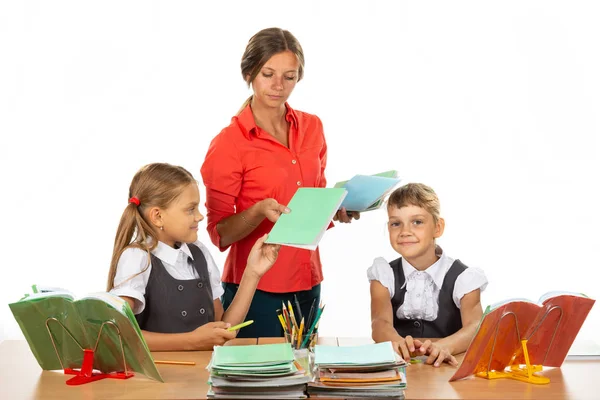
(22, 378)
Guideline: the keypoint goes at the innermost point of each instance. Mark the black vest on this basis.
(448, 320)
(176, 306)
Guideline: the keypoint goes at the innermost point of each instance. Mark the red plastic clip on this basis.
(86, 373)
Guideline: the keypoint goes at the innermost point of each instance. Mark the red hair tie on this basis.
(135, 201)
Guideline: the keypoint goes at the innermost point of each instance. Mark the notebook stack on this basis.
(369, 371)
(266, 371)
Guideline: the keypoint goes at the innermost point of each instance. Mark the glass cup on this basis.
(302, 343)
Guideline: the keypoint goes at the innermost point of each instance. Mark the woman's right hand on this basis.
(271, 209)
(210, 334)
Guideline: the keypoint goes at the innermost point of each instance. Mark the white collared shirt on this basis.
(421, 300)
(136, 261)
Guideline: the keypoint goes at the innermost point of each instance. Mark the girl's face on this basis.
(180, 220)
(413, 232)
(276, 80)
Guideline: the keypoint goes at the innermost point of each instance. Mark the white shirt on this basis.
(421, 300)
(133, 263)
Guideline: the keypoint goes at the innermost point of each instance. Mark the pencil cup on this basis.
(304, 344)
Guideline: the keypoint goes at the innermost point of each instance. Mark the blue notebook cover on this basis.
(366, 190)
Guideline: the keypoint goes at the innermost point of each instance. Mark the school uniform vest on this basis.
(177, 306)
(448, 320)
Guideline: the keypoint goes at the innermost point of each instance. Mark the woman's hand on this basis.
(346, 216)
(272, 210)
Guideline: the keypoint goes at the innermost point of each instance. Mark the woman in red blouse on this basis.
(254, 167)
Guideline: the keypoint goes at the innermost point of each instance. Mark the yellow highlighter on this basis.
(238, 326)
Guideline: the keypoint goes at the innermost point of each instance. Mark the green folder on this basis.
(263, 355)
(312, 210)
(42, 314)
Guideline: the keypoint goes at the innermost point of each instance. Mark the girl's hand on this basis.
(271, 209)
(262, 257)
(438, 353)
(405, 347)
(342, 215)
(209, 335)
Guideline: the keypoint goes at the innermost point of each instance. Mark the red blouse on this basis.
(244, 165)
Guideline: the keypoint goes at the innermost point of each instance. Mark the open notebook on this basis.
(75, 324)
(549, 325)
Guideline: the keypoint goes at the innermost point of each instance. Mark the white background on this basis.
(493, 104)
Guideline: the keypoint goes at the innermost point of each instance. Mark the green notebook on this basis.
(254, 355)
(312, 210)
(82, 319)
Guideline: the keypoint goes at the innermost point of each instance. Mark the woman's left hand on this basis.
(262, 256)
(346, 216)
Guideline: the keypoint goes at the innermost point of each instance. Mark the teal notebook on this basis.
(370, 354)
(366, 192)
(385, 174)
(312, 210)
(251, 356)
(76, 324)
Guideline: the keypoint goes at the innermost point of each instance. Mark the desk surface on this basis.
(22, 378)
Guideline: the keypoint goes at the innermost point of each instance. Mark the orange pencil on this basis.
(174, 362)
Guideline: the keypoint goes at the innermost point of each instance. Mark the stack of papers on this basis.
(369, 371)
(266, 371)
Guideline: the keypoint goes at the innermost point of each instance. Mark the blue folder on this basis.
(365, 192)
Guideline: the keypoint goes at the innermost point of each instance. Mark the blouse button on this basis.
(418, 294)
(200, 284)
(293, 161)
(183, 313)
(417, 324)
(298, 183)
(180, 288)
(202, 311)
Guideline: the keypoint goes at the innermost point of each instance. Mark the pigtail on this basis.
(125, 231)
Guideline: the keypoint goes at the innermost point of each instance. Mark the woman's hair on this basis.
(416, 194)
(264, 45)
(154, 185)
